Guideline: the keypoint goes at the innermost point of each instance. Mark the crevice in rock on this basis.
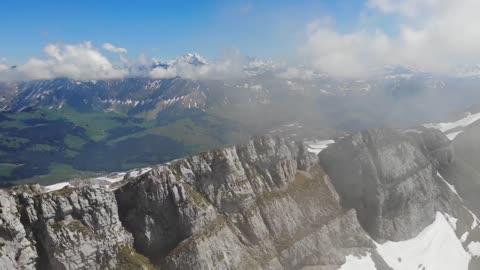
(131, 216)
(42, 261)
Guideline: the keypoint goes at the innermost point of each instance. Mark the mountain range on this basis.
(63, 128)
(162, 173)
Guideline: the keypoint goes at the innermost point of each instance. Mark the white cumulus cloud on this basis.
(112, 48)
(292, 73)
(410, 8)
(214, 70)
(79, 61)
(434, 35)
(163, 73)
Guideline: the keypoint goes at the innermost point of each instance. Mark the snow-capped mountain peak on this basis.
(194, 59)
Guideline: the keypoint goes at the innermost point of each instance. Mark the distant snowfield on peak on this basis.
(448, 127)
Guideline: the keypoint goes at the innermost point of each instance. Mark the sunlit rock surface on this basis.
(266, 204)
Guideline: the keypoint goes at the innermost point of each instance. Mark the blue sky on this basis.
(342, 37)
(267, 29)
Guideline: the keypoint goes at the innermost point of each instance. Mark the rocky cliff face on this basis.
(391, 179)
(17, 246)
(263, 205)
(65, 229)
(464, 171)
(267, 204)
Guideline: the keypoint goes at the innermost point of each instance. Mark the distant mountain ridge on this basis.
(69, 121)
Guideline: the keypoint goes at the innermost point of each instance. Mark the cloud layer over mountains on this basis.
(79, 61)
(432, 35)
(85, 62)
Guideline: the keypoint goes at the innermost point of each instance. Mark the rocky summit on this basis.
(266, 204)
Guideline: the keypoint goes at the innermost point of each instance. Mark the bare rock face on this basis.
(72, 228)
(263, 205)
(267, 204)
(391, 179)
(76, 228)
(17, 246)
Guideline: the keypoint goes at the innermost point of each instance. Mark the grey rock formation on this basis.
(267, 204)
(76, 228)
(65, 229)
(391, 179)
(17, 246)
(464, 171)
(263, 205)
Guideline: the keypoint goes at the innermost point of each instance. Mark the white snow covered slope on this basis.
(448, 127)
(358, 263)
(436, 247)
(317, 146)
(56, 186)
(105, 180)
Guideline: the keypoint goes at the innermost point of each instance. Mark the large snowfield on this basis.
(435, 248)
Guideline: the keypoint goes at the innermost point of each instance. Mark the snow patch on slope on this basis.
(452, 188)
(474, 248)
(452, 221)
(436, 247)
(475, 219)
(109, 178)
(452, 135)
(57, 186)
(358, 263)
(444, 127)
(464, 237)
(317, 146)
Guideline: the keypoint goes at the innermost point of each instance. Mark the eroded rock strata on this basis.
(267, 204)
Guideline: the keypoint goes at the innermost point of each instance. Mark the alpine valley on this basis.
(51, 130)
(277, 168)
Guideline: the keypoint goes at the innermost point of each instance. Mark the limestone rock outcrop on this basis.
(266, 204)
(263, 205)
(391, 178)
